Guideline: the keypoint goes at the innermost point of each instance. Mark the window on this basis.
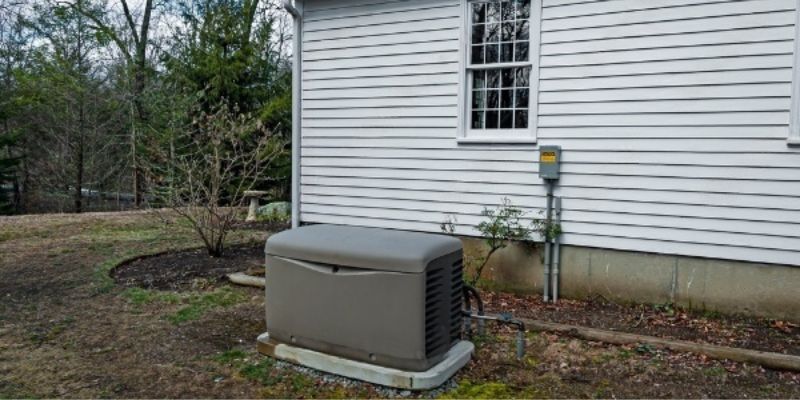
(501, 76)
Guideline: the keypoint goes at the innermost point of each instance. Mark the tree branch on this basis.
(131, 23)
(102, 27)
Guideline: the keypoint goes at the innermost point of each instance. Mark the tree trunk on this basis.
(137, 172)
(78, 146)
(79, 180)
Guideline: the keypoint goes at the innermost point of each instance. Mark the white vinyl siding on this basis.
(672, 115)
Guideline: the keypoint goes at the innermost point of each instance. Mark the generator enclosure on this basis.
(385, 297)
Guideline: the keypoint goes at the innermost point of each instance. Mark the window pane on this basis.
(521, 119)
(521, 98)
(507, 77)
(508, 32)
(506, 52)
(521, 51)
(506, 119)
(493, 78)
(491, 53)
(478, 99)
(493, 12)
(523, 76)
(507, 11)
(506, 99)
(492, 33)
(479, 79)
(478, 13)
(493, 99)
(491, 119)
(477, 54)
(477, 33)
(523, 30)
(523, 9)
(478, 119)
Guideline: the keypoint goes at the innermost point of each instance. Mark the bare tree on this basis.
(135, 54)
(203, 173)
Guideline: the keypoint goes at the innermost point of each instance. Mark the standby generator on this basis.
(384, 297)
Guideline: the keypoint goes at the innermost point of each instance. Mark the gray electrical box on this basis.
(550, 162)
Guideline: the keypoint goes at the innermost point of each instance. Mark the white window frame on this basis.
(794, 114)
(465, 132)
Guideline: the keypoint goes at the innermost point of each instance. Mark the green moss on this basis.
(5, 236)
(481, 340)
(488, 390)
(140, 296)
(714, 371)
(625, 354)
(197, 305)
(301, 382)
(230, 356)
(259, 372)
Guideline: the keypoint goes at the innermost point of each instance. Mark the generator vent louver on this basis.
(435, 295)
(443, 286)
(455, 301)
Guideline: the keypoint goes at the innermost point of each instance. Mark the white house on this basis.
(677, 120)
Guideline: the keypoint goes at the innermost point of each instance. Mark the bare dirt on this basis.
(67, 329)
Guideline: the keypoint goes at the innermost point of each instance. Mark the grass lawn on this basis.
(67, 330)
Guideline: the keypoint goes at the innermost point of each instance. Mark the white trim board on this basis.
(794, 122)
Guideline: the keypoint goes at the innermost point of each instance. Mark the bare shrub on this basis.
(203, 171)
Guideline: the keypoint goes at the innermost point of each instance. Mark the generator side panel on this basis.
(361, 314)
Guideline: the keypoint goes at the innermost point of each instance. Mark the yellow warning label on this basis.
(548, 157)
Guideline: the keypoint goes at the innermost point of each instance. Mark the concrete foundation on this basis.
(458, 356)
(724, 286)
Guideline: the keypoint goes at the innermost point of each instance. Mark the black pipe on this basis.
(508, 320)
(471, 292)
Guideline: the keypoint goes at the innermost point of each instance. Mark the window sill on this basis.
(495, 140)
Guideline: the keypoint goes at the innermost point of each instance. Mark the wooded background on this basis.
(94, 93)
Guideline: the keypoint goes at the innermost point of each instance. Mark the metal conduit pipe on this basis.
(508, 320)
(504, 318)
(556, 250)
(296, 10)
(547, 245)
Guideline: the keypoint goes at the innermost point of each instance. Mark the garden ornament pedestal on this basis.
(254, 196)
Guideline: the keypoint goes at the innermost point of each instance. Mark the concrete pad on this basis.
(457, 357)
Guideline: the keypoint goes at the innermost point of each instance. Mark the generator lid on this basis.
(357, 247)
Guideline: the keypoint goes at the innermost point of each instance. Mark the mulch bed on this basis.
(660, 321)
(187, 269)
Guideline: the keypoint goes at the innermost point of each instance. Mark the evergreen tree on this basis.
(227, 56)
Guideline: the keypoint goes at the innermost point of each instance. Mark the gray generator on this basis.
(385, 297)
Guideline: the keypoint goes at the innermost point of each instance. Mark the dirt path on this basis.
(66, 330)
